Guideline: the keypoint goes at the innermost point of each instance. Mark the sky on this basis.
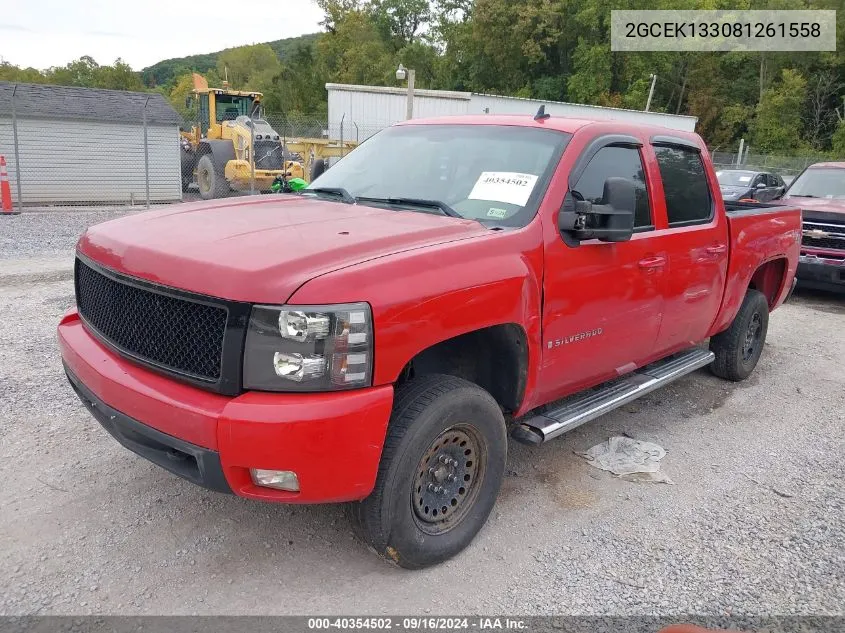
(44, 33)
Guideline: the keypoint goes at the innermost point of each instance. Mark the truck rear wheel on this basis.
(211, 180)
(440, 472)
(738, 348)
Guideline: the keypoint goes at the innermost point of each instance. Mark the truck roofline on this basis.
(556, 123)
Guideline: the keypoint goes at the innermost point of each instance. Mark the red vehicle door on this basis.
(698, 242)
(603, 302)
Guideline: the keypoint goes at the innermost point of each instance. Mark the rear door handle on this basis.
(652, 262)
(718, 249)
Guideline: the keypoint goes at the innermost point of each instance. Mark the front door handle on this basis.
(717, 249)
(653, 262)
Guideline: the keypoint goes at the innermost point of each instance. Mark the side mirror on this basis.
(761, 185)
(189, 102)
(610, 221)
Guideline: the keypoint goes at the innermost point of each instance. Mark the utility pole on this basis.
(409, 73)
(650, 92)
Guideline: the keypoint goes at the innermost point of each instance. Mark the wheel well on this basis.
(768, 279)
(494, 358)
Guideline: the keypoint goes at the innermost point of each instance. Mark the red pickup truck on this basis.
(374, 339)
(820, 192)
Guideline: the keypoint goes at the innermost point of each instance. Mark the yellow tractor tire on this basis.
(211, 179)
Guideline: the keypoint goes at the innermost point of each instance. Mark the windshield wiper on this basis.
(444, 208)
(337, 192)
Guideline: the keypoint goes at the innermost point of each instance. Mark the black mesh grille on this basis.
(178, 334)
(824, 242)
(828, 236)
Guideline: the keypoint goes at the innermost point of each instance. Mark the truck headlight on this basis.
(309, 348)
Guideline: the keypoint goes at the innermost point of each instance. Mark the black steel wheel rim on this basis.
(448, 479)
(752, 337)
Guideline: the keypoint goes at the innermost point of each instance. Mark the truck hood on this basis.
(823, 205)
(260, 249)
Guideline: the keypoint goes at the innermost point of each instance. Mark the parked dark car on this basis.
(739, 184)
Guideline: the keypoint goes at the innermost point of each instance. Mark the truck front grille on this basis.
(824, 235)
(152, 324)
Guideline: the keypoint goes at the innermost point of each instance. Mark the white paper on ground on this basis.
(631, 459)
(504, 186)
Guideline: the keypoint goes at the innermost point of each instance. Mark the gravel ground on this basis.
(753, 525)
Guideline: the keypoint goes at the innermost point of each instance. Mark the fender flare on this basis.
(221, 151)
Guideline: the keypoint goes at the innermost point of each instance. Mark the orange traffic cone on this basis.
(5, 190)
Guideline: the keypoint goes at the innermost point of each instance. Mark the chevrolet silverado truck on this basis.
(820, 192)
(376, 338)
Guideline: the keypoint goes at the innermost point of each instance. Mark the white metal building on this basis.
(82, 145)
(361, 111)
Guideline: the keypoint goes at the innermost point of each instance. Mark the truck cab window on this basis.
(688, 199)
(613, 161)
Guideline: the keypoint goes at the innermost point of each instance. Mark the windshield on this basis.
(820, 183)
(230, 107)
(483, 172)
(735, 178)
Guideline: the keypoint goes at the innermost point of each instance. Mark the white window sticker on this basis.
(744, 178)
(504, 186)
(496, 213)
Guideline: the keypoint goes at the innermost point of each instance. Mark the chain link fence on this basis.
(76, 146)
(788, 167)
(71, 146)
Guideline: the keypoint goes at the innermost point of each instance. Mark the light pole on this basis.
(650, 92)
(401, 74)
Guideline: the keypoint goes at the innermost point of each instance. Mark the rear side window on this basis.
(613, 161)
(688, 198)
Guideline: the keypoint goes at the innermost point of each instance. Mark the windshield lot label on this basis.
(504, 186)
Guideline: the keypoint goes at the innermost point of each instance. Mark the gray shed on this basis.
(84, 145)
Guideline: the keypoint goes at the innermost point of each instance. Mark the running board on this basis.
(564, 415)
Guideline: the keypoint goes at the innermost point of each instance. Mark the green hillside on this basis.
(163, 72)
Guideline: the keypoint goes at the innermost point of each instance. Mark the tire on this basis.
(189, 163)
(318, 168)
(211, 180)
(738, 348)
(434, 417)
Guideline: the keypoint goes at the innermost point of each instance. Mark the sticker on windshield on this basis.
(504, 186)
(744, 178)
(496, 213)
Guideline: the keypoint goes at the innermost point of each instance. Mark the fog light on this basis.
(280, 479)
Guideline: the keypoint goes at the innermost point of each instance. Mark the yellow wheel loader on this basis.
(232, 145)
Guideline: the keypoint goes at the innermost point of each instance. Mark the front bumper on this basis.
(333, 441)
(821, 272)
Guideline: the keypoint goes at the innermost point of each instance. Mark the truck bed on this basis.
(742, 209)
(764, 243)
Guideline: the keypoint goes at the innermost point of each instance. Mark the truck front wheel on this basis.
(738, 348)
(440, 472)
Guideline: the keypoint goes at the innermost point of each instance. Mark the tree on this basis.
(777, 126)
(400, 20)
(591, 81)
(180, 92)
(838, 141)
(354, 52)
(245, 64)
(819, 111)
(119, 76)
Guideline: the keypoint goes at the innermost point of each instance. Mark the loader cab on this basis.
(219, 105)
